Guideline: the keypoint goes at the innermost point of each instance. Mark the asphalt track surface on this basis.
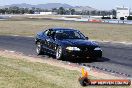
(117, 58)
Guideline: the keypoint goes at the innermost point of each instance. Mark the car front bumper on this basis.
(82, 54)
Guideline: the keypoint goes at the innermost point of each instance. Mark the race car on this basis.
(64, 43)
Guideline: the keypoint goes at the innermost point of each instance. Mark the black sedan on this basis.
(66, 43)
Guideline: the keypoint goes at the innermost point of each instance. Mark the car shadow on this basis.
(88, 60)
(80, 60)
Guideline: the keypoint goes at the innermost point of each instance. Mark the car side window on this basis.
(77, 35)
(46, 32)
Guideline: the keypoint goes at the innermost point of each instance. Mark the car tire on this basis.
(39, 48)
(59, 53)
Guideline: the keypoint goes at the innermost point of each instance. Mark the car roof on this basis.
(59, 29)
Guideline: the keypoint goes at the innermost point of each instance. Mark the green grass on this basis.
(29, 27)
(20, 73)
(23, 74)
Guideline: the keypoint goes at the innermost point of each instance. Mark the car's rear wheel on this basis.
(39, 48)
(59, 53)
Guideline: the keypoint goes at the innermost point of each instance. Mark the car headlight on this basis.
(98, 48)
(73, 48)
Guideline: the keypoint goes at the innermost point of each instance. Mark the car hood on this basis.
(78, 42)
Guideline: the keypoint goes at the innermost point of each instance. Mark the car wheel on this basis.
(59, 54)
(39, 48)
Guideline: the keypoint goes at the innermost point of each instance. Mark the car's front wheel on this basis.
(39, 48)
(59, 53)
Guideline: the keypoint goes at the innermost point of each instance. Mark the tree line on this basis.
(17, 10)
(70, 11)
(61, 11)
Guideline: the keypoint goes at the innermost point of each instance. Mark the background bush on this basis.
(129, 18)
(114, 18)
(106, 17)
(121, 18)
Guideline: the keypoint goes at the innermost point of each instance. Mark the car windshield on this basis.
(69, 34)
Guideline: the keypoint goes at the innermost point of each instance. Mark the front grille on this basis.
(87, 48)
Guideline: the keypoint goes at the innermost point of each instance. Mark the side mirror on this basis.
(87, 38)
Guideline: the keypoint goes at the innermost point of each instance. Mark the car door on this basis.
(49, 42)
(53, 45)
(44, 42)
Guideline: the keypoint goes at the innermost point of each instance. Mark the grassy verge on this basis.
(29, 27)
(20, 73)
(16, 73)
